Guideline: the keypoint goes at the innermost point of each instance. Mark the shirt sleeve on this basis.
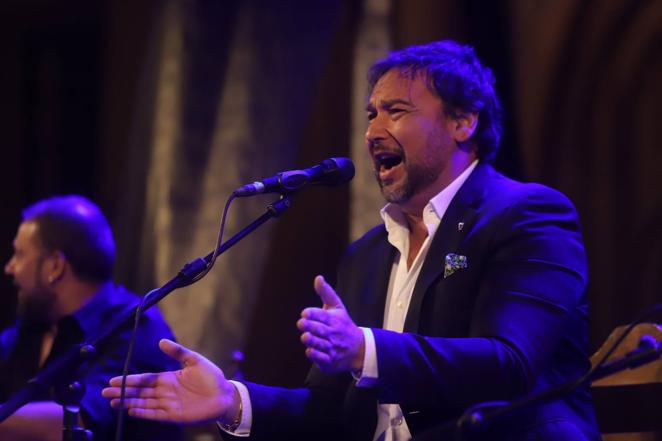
(244, 428)
(370, 373)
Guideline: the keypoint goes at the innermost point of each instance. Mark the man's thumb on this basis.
(174, 350)
(327, 294)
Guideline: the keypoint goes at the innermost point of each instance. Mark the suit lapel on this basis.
(463, 208)
(370, 282)
(375, 292)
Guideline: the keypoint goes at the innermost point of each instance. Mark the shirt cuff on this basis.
(369, 374)
(244, 428)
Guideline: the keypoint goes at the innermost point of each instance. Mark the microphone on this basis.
(330, 172)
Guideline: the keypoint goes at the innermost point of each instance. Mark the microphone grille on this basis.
(341, 170)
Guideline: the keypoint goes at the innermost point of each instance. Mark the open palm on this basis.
(197, 392)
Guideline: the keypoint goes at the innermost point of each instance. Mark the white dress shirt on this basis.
(391, 425)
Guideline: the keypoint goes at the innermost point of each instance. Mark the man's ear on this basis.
(57, 265)
(463, 126)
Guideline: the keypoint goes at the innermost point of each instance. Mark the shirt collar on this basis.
(394, 218)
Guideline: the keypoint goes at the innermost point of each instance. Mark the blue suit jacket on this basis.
(513, 321)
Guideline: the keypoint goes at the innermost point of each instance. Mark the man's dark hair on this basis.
(455, 74)
(76, 227)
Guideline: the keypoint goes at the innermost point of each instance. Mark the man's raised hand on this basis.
(333, 342)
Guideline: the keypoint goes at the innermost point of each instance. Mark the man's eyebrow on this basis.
(388, 103)
(385, 104)
(394, 101)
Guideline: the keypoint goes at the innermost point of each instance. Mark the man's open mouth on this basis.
(386, 160)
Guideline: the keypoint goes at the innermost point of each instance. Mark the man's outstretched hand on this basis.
(197, 392)
(333, 342)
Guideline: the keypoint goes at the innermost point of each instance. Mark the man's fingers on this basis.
(316, 314)
(180, 353)
(130, 392)
(327, 294)
(137, 380)
(321, 359)
(149, 414)
(310, 323)
(311, 341)
(140, 403)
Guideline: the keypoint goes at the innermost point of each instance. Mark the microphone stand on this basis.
(69, 396)
(475, 420)
(58, 371)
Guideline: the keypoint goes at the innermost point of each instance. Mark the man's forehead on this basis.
(399, 84)
(27, 233)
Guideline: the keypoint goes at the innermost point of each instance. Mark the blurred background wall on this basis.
(157, 110)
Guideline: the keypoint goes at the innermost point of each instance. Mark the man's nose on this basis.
(9, 267)
(376, 132)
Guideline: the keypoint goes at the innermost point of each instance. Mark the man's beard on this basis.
(417, 178)
(35, 305)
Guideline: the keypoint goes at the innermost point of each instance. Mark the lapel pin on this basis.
(460, 226)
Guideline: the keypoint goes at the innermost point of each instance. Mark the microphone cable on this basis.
(139, 310)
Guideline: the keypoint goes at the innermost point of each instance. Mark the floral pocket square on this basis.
(453, 263)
